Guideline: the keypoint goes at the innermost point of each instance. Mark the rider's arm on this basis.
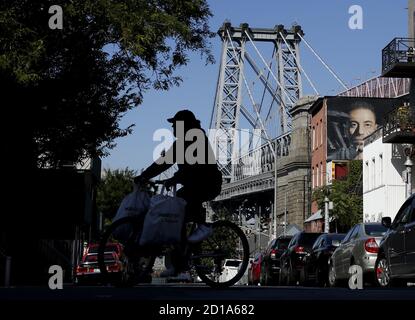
(160, 165)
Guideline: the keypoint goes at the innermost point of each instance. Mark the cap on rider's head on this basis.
(183, 115)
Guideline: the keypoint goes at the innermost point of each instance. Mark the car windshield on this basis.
(232, 263)
(338, 237)
(282, 243)
(308, 239)
(94, 257)
(375, 230)
(94, 249)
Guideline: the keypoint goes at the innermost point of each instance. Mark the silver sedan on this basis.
(359, 247)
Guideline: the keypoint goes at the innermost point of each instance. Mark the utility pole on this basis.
(326, 215)
(409, 151)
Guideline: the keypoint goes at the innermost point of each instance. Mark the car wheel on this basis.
(332, 276)
(382, 272)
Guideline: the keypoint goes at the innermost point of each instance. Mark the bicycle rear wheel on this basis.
(132, 262)
(222, 259)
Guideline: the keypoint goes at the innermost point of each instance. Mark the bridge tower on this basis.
(283, 85)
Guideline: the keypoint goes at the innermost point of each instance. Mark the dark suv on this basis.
(295, 256)
(270, 271)
(396, 258)
(317, 267)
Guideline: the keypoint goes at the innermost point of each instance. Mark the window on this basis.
(366, 177)
(403, 211)
(322, 174)
(376, 230)
(355, 233)
(312, 177)
(293, 241)
(318, 175)
(321, 131)
(282, 243)
(373, 173)
(406, 215)
(318, 135)
(347, 237)
(314, 138)
(317, 243)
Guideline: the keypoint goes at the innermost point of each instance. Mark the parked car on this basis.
(110, 247)
(254, 274)
(270, 268)
(395, 264)
(294, 258)
(88, 270)
(230, 269)
(359, 247)
(317, 269)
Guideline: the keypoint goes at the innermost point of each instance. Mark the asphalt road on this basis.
(201, 292)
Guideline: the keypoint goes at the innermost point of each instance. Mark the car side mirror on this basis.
(335, 243)
(386, 222)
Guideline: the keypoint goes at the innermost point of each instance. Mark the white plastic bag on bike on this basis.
(134, 204)
(164, 221)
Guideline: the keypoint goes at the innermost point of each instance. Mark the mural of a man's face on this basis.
(362, 124)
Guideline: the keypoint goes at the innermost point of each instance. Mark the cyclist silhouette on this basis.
(198, 173)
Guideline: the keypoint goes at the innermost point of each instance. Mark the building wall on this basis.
(318, 130)
(383, 187)
(294, 178)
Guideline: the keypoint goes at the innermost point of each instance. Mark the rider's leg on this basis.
(198, 214)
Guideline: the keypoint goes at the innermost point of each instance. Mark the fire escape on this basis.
(398, 61)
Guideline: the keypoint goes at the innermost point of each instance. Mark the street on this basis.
(201, 292)
(172, 148)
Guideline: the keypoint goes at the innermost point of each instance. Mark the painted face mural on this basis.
(350, 121)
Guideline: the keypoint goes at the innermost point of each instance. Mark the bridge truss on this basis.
(243, 106)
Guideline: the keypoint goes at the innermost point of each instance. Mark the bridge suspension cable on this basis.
(324, 64)
(275, 95)
(251, 97)
(298, 64)
(283, 89)
(269, 69)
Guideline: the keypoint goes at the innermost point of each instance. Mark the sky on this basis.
(355, 55)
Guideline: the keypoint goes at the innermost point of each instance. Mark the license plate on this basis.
(97, 271)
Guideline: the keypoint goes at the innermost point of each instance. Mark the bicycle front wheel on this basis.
(125, 270)
(222, 259)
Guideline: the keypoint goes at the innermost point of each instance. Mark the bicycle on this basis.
(206, 258)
